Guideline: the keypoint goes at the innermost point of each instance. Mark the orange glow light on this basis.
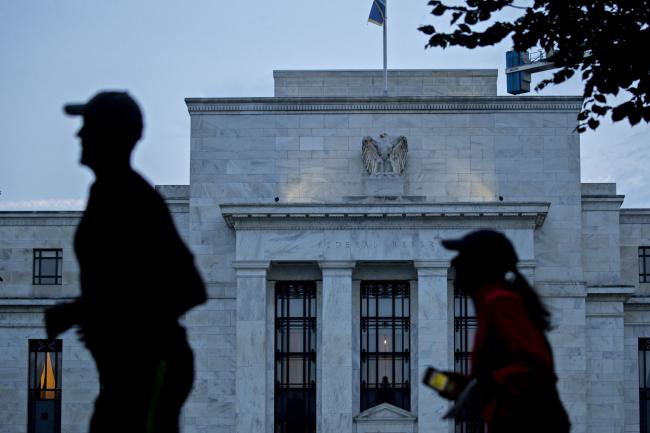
(47, 380)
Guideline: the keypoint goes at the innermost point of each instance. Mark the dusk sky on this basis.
(61, 51)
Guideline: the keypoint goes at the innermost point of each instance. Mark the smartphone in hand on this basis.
(436, 379)
(447, 383)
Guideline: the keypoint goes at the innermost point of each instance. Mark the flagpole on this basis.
(385, 50)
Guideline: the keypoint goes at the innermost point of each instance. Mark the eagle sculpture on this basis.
(387, 156)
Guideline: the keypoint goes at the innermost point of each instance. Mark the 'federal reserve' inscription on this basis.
(367, 245)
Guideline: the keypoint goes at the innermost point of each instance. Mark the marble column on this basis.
(334, 389)
(606, 358)
(434, 340)
(251, 346)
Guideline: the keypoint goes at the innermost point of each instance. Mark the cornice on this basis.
(610, 203)
(637, 303)
(340, 216)
(397, 104)
(634, 216)
(609, 293)
(40, 218)
(30, 302)
(407, 73)
(25, 312)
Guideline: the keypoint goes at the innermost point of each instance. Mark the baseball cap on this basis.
(113, 111)
(489, 245)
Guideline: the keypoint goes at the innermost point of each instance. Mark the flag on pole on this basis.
(378, 16)
(378, 12)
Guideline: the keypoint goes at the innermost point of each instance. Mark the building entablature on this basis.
(338, 216)
(40, 218)
(373, 232)
(397, 104)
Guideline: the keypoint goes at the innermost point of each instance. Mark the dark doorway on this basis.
(295, 357)
(465, 324)
(385, 344)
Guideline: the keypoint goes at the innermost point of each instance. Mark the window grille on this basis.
(385, 344)
(644, 264)
(465, 324)
(48, 267)
(295, 357)
(644, 384)
(44, 387)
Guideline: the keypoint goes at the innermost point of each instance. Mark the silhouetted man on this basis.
(137, 279)
(385, 393)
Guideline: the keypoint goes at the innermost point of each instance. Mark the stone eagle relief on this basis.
(386, 156)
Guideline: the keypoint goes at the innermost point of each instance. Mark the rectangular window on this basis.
(385, 344)
(465, 324)
(44, 387)
(48, 267)
(644, 264)
(295, 357)
(644, 384)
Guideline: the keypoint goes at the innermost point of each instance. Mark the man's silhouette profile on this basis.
(385, 394)
(137, 279)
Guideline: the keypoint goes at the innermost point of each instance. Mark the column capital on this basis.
(531, 263)
(431, 265)
(433, 268)
(337, 264)
(251, 268)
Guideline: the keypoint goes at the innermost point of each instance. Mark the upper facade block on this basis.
(365, 83)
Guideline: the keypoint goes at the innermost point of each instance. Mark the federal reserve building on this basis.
(315, 217)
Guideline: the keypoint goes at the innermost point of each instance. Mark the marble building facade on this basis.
(279, 192)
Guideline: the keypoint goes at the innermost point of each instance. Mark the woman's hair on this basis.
(533, 305)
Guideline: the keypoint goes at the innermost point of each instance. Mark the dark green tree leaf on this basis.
(604, 40)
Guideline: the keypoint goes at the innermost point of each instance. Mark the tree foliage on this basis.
(606, 41)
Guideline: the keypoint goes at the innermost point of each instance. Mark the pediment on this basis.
(385, 412)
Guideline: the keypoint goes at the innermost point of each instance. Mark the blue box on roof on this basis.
(517, 82)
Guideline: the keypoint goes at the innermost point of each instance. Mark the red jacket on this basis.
(513, 361)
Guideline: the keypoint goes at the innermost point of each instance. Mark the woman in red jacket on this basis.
(511, 358)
